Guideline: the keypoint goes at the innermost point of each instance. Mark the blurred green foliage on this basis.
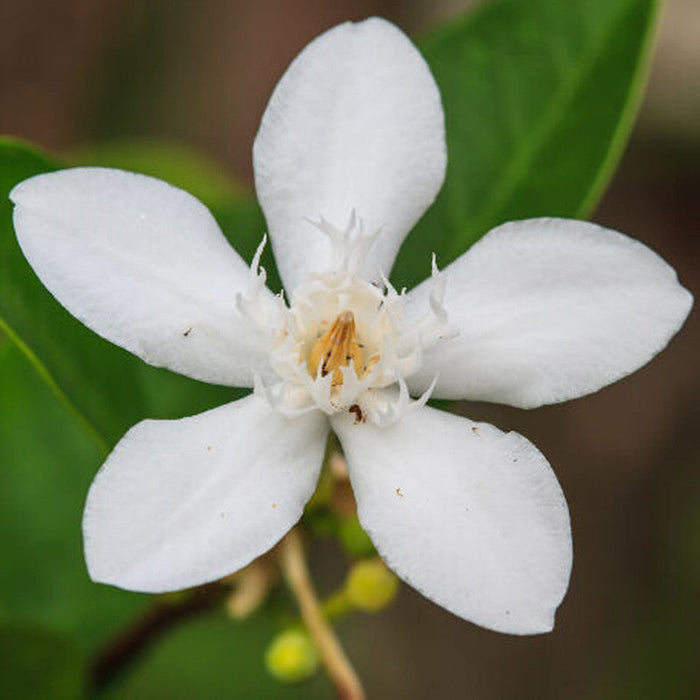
(47, 465)
(539, 99)
(183, 167)
(213, 657)
(39, 664)
(354, 539)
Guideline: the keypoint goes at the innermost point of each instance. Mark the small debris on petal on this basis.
(357, 412)
(399, 492)
(187, 332)
(475, 430)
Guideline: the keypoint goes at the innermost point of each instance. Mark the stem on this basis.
(251, 587)
(123, 649)
(338, 666)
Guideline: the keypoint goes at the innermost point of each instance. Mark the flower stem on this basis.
(251, 586)
(337, 664)
(121, 651)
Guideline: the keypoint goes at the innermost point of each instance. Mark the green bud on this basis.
(354, 539)
(370, 586)
(291, 657)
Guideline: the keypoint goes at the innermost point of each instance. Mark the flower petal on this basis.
(143, 264)
(182, 502)
(549, 310)
(471, 517)
(355, 123)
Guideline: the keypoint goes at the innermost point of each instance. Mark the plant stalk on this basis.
(337, 664)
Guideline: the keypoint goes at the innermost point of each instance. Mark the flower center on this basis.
(357, 362)
(336, 348)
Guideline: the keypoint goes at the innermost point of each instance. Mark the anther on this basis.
(336, 348)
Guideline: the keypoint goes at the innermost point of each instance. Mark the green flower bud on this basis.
(354, 539)
(370, 586)
(291, 657)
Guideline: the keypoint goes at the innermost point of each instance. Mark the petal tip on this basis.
(523, 623)
(18, 192)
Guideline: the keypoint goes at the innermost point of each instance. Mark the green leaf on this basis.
(539, 99)
(214, 657)
(39, 664)
(46, 465)
(106, 388)
(28, 314)
(177, 164)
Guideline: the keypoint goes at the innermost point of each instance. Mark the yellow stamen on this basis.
(336, 348)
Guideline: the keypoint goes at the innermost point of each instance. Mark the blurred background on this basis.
(82, 71)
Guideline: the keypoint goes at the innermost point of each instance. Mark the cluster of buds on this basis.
(369, 587)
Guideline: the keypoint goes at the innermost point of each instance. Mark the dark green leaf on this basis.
(214, 657)
(36, 323)
(539, 99)
(39, 664)
(46, 465)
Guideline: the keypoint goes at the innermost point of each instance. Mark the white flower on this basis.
(350, 153)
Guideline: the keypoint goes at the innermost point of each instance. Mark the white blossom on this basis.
(350, 153)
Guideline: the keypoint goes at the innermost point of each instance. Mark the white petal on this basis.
(472, 517)
(549, 310)
(356, 122)
(143, 264)
(179, 503)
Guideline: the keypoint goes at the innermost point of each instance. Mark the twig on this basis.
(338, 666)
(251, 586)
(124, 648)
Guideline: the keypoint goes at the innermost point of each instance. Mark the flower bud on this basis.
(370, 586)
(291, 657)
